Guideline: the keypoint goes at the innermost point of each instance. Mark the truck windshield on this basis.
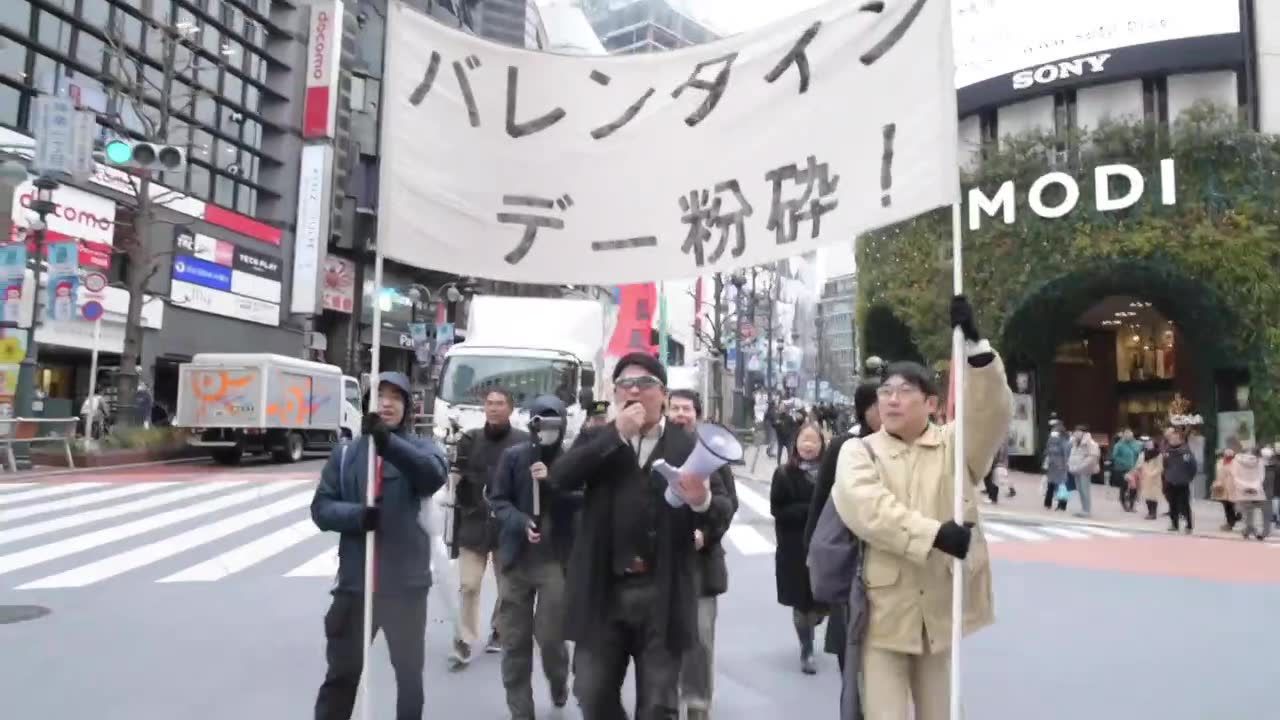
(465, 378)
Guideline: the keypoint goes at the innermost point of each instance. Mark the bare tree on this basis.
(142, 108)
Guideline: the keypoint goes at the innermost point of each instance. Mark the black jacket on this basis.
(593, 467)
(789, 498)
(713, 572)
(512, 500)
(478, 455)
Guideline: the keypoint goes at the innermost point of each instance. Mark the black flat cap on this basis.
(643, 360)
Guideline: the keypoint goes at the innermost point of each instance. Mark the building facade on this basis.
(647, 26)
(836, 337)
(1104, 174)
(230, 73)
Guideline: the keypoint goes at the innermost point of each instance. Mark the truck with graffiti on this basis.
(243, 403)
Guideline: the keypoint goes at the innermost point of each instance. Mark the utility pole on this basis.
(42, 205)
(773, 301)
(739, 371)
(817, 378)
(717, 403)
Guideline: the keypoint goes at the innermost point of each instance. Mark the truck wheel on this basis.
(227, 456)
(294, 447)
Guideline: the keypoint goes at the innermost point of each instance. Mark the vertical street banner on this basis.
(13, 266)
(64, 281)
(608, 170)
(634, 330)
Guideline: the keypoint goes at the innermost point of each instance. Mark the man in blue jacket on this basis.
(533, 551)
(413, 469)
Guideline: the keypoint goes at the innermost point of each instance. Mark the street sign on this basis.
(85, 132)
(64, 137)
(95, 282)
(92, 310)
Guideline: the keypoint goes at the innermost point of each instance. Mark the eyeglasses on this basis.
(887, 392)
(640, 382)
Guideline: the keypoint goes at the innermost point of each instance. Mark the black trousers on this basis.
(1051, 489)
(1179, 497)
(404, 619)
(632, 633)
(1229, 512)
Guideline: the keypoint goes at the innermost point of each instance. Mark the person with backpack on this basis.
(413, 469)
(895, 493)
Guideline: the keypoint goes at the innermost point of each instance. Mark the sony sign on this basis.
(1053, 72)
(324, 45)
(1004, 201)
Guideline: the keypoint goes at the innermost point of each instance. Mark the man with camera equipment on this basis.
(475, 532)
(413, 469)
(535, 533)
(630, 592)
(697, 667)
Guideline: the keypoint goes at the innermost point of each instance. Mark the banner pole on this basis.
(958, 362)
(371, 489)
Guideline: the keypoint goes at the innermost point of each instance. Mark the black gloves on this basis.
(370, 518)
(962, 317)
(378, 430)
(953, 539)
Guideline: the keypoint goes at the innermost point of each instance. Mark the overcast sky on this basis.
(735, 16)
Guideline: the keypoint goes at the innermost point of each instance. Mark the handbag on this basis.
(835, 557)
(1063, 493)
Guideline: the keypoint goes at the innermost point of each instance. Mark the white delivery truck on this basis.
(529, 346)
(238, 403)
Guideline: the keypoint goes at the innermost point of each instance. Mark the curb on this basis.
(1016, 518)
(25, 476)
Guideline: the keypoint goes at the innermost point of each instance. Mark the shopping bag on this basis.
(1062, 494)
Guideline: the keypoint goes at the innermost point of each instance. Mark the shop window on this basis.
(1155, 101)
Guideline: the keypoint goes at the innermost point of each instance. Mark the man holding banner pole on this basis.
(895, 491)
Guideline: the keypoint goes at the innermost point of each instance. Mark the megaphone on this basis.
(717, 446)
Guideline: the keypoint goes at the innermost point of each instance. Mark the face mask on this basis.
(548, 437)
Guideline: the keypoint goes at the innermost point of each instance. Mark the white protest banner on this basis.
(532, 167)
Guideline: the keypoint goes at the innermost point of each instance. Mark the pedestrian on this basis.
(1272, 461)
(1083, 464)
(1057, 453)
(413, 469)
(534, 539)
(697, 666)
(475, 532)
(1223, 488)
(1179, 470)
(630, 586)
(866, 420)
(771, 427)
(790, 495)
(997, 475)
(1249, 496)
(1124, 458)
(784, 431)
(1149, 477)
(895, 490)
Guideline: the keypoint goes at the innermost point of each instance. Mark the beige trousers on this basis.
(893, 681)
(471, 567)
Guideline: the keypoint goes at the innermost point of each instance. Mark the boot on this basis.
(1152, 506)
(804, 631)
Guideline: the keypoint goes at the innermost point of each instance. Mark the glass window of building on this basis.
(17, 17)
(199, 181)
(242, 199)
(90, 50)
(52, 32)
(232, 88)
(252, 98)
(223, 191)
(10, 102)
(128, 28)
(13, 62)
(96, 13)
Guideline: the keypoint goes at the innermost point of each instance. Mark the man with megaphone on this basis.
(631, 593)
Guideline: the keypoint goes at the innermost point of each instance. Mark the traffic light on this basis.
(143, 155)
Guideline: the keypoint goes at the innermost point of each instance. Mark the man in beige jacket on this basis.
(895, 491)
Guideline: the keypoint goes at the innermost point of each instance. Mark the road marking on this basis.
(1064, 532)
(246, 555)
(748, 540)
(754, 500)
(323, 565)
(1104, 532)
(138, 557)
(91, 516)
(1013, 531)
(992, 538)
(92, 498)
(6, 486)
(47, 491)
(88, 541)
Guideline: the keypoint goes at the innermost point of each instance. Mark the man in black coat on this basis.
(631, 583)
(475, 533)
(697, 667)
(533, 549)
(413, 469)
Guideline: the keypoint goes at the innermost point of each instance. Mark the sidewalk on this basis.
(1028, 505)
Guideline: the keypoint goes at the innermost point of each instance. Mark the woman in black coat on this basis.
(789, 498)
(867, 421)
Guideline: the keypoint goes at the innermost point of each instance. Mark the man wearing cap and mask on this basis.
(631, 591)
(413, 469)
(533, 549)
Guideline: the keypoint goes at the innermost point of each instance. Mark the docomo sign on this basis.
(76, 213)
(1004, 200)
(320, 104)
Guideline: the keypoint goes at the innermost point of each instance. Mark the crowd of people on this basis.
(604, 564)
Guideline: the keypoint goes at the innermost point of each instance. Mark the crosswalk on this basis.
(80, 534)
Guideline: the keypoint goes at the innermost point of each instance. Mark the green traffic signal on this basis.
(119, 152)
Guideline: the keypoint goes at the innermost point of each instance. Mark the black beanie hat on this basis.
(644, 360)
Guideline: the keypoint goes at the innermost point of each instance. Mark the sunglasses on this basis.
(641, 382)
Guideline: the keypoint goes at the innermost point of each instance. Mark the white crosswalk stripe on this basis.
(245, 556)
(90, 498)
(47, 491)
(6, 487)
(324, 565)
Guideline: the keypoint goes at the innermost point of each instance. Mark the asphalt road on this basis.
(205, 607)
